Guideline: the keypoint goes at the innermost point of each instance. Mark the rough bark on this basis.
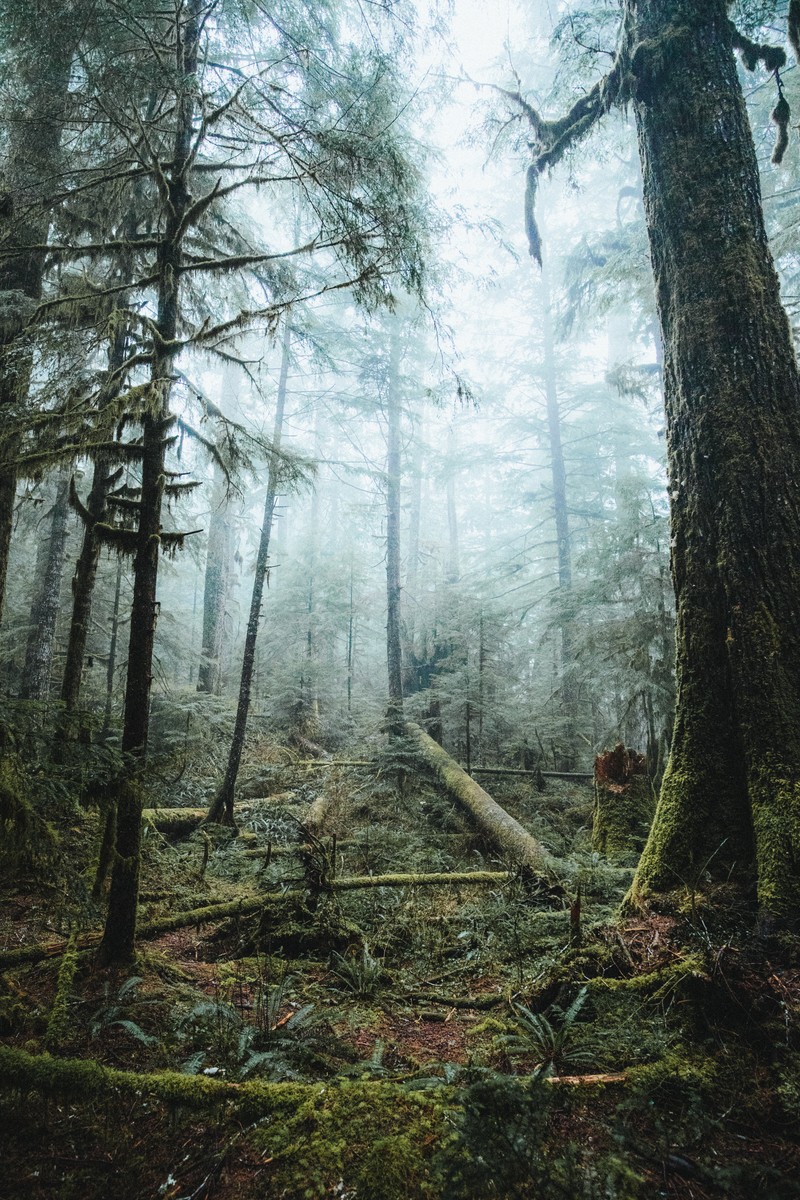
(103, 478)
(45, 608)
(624, 803)
(30, 170)
(221, 808)
(730, 797)
(119, 935)
(501, 830)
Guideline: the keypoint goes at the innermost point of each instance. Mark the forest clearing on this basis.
(399, 600)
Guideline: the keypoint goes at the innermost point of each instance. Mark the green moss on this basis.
(622, 817)
(58, 1022)
(379, 1138)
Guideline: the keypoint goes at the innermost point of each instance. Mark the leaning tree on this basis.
(730, 799)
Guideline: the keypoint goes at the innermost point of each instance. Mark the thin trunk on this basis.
(393, 640)
(730, 800)
(453, 567)
(117, 944)
(215, 590)
(45, 608)
(222, 806)
(350, 646)
(111, 666)
(563, 539)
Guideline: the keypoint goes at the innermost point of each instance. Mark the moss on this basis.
(58, 1022)
(775, 801)
(623, 811)
(27, 840)
(379, 1138)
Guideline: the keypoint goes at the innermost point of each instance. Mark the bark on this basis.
(221, 808)
(45, 608)
(394, 654)
(502, 831)
(119, 935)
(111, 665)
(215, 590)
(83, 582)
(730, 799)
(31, 164)
(85, 577)
(624, 803)
(563, 538)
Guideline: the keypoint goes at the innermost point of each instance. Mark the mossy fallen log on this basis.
(80, 1080)
(435, 879)
(173, 820)
(248, 905)
(480, 1003)
(500, 829)
(624, 804)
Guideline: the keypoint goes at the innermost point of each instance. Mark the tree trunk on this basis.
(730, 798)
(453, 573)
(623, 807)
(119, 934)
(501, 830)
(30, 175)
(563, 539)
(393, 640)
(45, 607)
(215, 590)
(111, 665)
(103, 479)
(221, 808)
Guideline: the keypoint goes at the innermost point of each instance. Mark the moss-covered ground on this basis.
(453, 1041)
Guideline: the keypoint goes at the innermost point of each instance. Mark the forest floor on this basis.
(459, 1040)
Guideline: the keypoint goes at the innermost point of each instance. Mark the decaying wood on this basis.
(570, 776)
(500, 829)
(173, 820)
(624, 803)
(74, 1079)
(435, 879)
(312, 749)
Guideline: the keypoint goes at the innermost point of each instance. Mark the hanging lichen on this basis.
(780, 115)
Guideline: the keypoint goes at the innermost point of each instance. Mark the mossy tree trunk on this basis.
(31, 165)
(731, 794)
(117, 944)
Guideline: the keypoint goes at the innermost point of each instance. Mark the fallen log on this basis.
(79, 1079)
(252, 904)
(573, 776)
(173, 820)
(500, 829)
(348, 883)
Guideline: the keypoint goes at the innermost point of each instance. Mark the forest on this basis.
(399, 599)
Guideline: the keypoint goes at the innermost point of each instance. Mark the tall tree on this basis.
(394, 653)
(221, 808)
(730, 798)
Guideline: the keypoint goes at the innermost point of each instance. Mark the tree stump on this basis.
(624, 804)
